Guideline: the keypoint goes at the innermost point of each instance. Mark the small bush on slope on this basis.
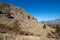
(57, 29)
(28, 17)
(15, 26)
(44, 26)
(57, 32)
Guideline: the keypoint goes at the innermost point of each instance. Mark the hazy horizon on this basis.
(43, 10)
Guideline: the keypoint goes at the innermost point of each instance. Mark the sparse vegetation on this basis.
(44, 26)
(57, 32)
(28, 17)
(15, 26)
(57, 29)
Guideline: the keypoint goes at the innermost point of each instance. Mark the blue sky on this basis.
(43, 10)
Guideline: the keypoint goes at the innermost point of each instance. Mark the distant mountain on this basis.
(53, 22)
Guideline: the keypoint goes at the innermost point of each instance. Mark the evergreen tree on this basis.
(44, 26)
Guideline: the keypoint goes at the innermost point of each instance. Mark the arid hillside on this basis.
(17, 24)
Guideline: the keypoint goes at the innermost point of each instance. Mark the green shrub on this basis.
(57, 29)
(44, 26)
(15, 26)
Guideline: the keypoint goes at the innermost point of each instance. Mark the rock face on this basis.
(29, 27)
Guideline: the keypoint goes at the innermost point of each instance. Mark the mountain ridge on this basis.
(56, 21)
(53, 23)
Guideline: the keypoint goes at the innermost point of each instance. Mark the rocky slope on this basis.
(22, 26)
